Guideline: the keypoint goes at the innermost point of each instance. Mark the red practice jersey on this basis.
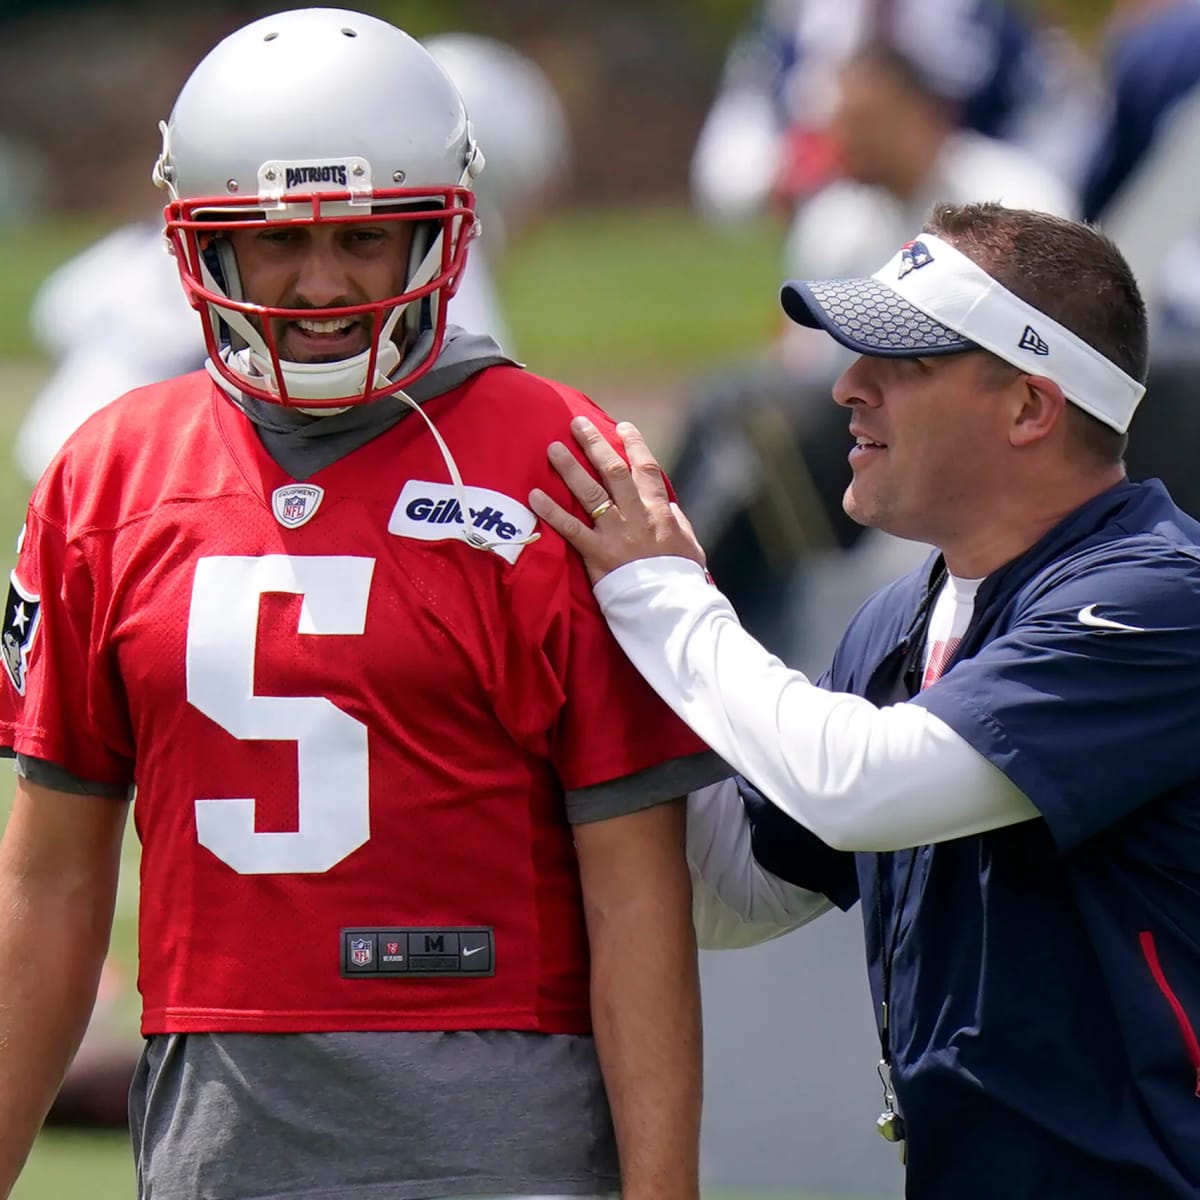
(337, 714)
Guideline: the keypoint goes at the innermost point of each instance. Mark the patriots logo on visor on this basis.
(22, 611)
(913, 256)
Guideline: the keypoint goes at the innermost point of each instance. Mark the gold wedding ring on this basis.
(601, 508)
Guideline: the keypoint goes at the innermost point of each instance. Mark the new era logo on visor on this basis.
(1032, 340)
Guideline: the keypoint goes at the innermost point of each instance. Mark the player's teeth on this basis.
(324, 326)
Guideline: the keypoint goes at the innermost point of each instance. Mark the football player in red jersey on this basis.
(415, 913)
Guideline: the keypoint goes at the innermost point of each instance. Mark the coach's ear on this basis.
(1039, 406)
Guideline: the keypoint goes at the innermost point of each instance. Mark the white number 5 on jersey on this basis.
(332, 746)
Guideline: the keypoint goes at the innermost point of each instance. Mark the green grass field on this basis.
(80, 1166)
(96, 1167)
(622, 300)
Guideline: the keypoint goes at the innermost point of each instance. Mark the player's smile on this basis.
(313, 340)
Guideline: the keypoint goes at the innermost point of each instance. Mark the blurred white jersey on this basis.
(850, 228)
(782, 73)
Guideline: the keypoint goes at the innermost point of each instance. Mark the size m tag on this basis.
(375, 952)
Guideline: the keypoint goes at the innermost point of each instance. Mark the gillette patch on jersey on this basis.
(433, 512)
(458, 950)
(22, 611)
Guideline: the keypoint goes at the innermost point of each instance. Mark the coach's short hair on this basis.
(1070, 271)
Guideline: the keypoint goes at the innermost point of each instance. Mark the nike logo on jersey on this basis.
(473, 950)
(432, 512)
(1087, 616)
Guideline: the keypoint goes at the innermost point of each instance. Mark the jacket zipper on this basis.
(1150, 953)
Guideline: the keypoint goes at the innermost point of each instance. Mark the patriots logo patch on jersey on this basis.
(913, 256)
(22, 612)
(295, 503)
(433, 512)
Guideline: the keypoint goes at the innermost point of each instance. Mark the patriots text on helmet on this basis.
(327, 173)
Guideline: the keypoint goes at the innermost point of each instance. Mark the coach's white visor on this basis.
(932, 299)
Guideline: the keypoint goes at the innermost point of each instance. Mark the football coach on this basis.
(1002, 763)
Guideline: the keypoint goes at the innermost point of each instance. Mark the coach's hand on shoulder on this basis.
(630, 511)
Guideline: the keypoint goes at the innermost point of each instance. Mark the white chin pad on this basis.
(344, 378)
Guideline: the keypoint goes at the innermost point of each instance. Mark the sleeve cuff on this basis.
(645, 571)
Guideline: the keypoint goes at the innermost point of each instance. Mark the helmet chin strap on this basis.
(325, 380)
(475, 538)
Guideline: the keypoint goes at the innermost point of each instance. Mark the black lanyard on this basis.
(896, 679)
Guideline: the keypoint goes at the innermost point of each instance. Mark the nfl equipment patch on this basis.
(295, 503)
(22, 611)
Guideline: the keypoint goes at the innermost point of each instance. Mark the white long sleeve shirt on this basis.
(858, 776)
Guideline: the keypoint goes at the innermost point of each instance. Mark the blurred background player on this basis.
(761, 465)
(900, 149)
(766, 140)
(522, 122)
(114, 318)
(1143, 187)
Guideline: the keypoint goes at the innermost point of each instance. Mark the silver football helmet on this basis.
(319, 116)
